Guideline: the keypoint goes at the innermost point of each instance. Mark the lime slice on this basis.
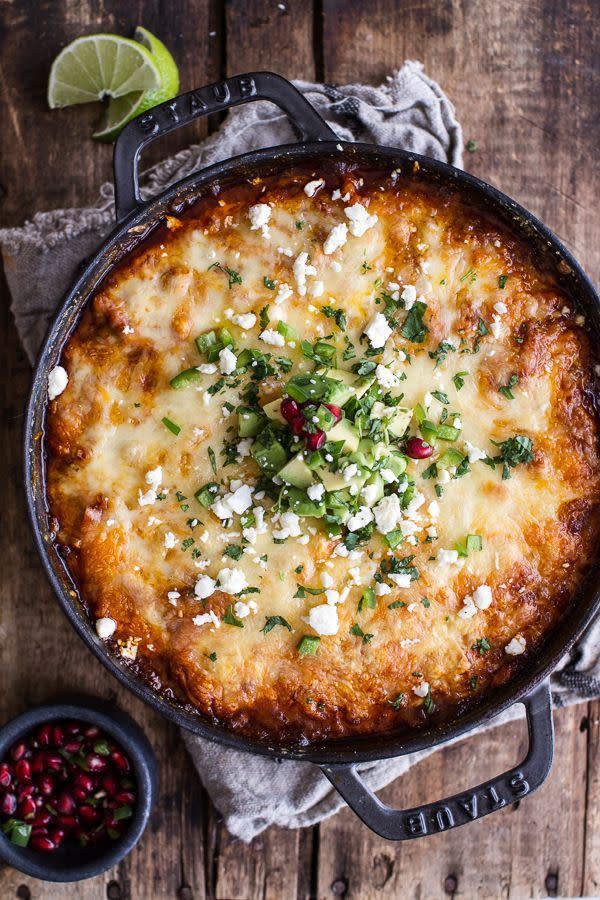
(101, 65)
(121, 109)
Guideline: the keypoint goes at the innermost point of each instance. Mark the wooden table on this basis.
(525, 81)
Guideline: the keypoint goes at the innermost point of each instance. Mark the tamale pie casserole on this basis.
(322, 454)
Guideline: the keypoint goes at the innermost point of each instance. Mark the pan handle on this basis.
(402, 825)
(168, 116)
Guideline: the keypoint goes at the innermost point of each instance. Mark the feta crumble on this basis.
(231, 581)
(516, 646)
(204, 587)
(57, 382)
(312, 187)
(244, 320)
(378, 331)
(227, 361)
(259, 216)
(105, 627)
(323, 619)
(360, 219)
(272, 337)
(336, 238)
(360, 519)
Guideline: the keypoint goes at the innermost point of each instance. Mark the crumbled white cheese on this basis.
(105, 627)
(500, 307)
(434, 509)
(496, 326)
(378, 330)
(409, 295)
(326, 580)
(170, 540)
(482, 596)
(315, 492)
(244, 320)
(400, 579)
(516, 646)
(386, 377)
(284, 292)
(323, 619)
(243, 448)
(469, 609)
(312, 187)
(387, 513)
(57, 382)
(388, 476)
(148, 498)
(360, 219)
(241, 609)
(444, 476)
(381, 589)
(232, 581)
(332, 597)
(207, 368)
(302, 270)
(205, 618)
(357, 521)
(369, 493)
(204, 587)
(237, 501)
(447, 557)
(289, 526)
(272, 337)
(154, 477)
(259, 216)
(474, 453)
(336, 238)
(421, 690)
(227, 361)
(317, 289)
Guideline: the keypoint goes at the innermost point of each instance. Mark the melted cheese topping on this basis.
(173, 577)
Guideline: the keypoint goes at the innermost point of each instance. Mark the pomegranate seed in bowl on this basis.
(67, 784)
(417, 448)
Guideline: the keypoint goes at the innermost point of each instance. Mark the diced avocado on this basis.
(297, 473)
(375, 483)
(419, 414)
(395, 462)
(273, 411)
(447, 432)
(268, 452)
(308, 645)
(286, 331)
(250, 421)
(450, 457)
(345, 431)
(428, 430)
(302, 506)
(400, 421)
(335, 481)
(306, 387)
(367, 450)
(325, 418)
(348, 384)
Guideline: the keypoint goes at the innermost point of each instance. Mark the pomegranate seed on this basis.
(54, 762)
(110, 821)
(23, 770)
(58, 737)
(109, 783)
(25, 790)
(84, 781)
(46, 785)
(18, 751)
(38, 763)
(72, 728)
(67, 822)
(65, 803)
(27, 808)
(120, 761)
(125, 798)
(297, 425)
(289, 409)
(315, 440)
(72, 746)
(88, 814)
(57, 835)
(5, 776)
(44, 735)
(41, 818)
(91, 731)
(95, 763)
(8, 804)
(41, 842)
(335, 411)
(417, 448)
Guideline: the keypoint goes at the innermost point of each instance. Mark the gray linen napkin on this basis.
(40, 261)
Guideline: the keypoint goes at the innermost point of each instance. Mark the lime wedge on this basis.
(121, 109)
(101, 65)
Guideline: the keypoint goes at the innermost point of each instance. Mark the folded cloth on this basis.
(41, 258)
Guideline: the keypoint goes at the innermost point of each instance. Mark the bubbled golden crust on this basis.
(103, 435)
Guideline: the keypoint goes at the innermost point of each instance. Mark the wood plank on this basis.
(261, 35)
(48, 160)
(591, 875)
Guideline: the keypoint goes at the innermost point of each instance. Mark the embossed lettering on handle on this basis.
(401, 825)
(213, 98)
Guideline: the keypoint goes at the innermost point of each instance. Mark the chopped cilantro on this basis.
(414, 328)
(269, 283)
(481, 645)
(506, 389)
(502, 279)
(233, 276)
(397, 702)
(471, 146)
(357, 631)
(234, 551)
(231, 619)
(213, 459)
(272, 621)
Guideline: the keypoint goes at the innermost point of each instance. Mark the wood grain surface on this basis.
(525, 79)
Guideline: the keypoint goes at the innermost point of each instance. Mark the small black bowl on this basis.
(68, 864)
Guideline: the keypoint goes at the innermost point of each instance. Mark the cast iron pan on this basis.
(136, 219)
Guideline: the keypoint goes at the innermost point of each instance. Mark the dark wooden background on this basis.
(524, 77)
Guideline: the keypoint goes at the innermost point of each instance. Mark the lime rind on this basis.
(93, 67)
